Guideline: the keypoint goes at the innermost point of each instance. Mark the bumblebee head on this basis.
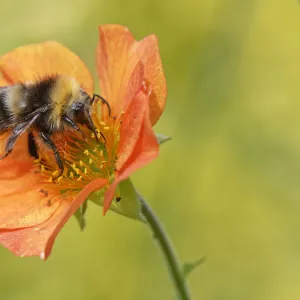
(80, 113)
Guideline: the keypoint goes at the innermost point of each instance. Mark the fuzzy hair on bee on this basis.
(47, 106)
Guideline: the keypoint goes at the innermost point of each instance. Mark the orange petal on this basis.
(21, 202)
(147, 51)
(117, 57)
(143, 146)
(131, 127)
(32, 62)
(112, 60)
(39, 239)
(134, 85)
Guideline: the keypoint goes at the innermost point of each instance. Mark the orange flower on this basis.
(33, 208)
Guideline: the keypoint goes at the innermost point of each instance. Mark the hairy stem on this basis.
(175, 268)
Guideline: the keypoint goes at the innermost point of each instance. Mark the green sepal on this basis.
(162, 138)
(189, 267)
(128, 205)
(80, 215)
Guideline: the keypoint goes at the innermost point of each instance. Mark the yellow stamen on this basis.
(55, 173)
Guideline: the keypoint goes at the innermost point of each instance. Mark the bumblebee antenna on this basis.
(103, 101)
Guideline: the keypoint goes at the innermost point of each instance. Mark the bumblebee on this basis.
(48, 106)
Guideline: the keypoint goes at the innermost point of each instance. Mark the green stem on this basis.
(167, 248)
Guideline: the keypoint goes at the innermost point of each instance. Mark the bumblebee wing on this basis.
(19, 129)
(4, 135)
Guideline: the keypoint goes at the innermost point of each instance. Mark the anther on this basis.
(55, 173)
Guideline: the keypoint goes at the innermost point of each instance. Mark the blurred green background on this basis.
(226, 187)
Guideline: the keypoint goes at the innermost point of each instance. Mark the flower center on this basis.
(83, 158)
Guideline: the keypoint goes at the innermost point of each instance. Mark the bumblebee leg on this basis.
(91, 124)
(32, 147)
(46, 139)
(72, 124)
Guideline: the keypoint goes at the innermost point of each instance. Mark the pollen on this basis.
(84, 159)
(55, 173)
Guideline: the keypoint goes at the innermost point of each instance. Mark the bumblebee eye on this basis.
(79, 115)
